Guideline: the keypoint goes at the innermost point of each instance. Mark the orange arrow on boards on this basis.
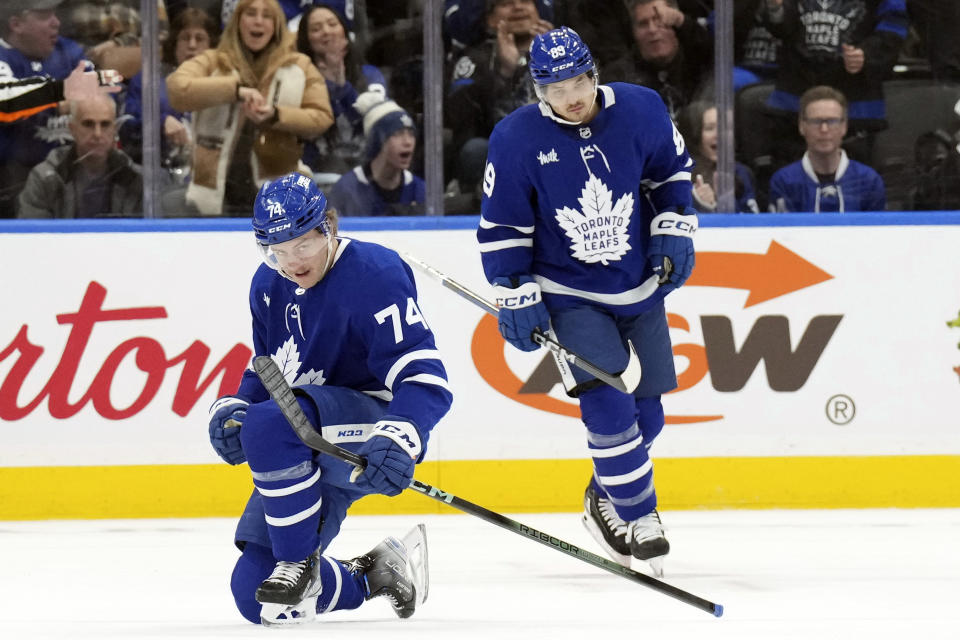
(766, 276)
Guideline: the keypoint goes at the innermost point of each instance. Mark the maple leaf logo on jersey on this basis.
(310, 377)
(598, 233)
(287, 358)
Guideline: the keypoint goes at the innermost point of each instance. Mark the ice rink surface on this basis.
(857, 574)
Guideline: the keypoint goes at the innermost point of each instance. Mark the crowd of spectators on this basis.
(254, 89)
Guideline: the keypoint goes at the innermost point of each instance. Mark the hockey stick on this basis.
(625, 381)
(276, 385)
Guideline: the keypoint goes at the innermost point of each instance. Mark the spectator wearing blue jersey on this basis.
(850, 45)
(755, 48)
(31, 46)
(825, 180)
(323, 36)
(383, 185)
(372, 387)
(585, 228)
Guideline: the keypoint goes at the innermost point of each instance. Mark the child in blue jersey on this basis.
(340, 318)
(825, 180)
(383, 185)
(585, 228)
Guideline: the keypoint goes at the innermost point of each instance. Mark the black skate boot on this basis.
(647, 541)
(606, 527)
(396, 570)
(291, 582)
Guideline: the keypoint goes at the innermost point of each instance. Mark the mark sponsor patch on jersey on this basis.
(546, 158)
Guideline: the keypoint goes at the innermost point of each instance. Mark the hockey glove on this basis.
(521, 310)
(226, 416)
(670, 251)
(391, 452)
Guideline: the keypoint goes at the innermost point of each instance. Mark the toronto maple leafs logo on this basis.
(598, 232)
(828, 23)
(287, 358)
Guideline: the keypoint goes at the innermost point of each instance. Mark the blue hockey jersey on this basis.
(572, 204)
(359, 327)
(355, 194)
(855, 187)
(28, 141)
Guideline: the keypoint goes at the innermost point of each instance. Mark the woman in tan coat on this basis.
(254, 98)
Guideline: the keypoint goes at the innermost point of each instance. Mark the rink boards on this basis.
(817, 365)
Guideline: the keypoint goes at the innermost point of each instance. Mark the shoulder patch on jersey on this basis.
(464, 68)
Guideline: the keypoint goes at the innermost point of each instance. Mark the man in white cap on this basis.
(383, 185)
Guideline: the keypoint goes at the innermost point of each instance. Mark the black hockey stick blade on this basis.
(276, 385)
(625, 381)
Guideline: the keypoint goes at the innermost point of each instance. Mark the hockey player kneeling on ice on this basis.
(340, 318)
(585, 227)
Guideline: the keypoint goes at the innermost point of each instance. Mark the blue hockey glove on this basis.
(226, 416)
(670, 251)
(521, 310)
(391, 452)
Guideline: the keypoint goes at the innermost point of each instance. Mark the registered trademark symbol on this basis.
(840, 409)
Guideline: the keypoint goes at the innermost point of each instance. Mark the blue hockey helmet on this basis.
(287, 208)
(558, 55)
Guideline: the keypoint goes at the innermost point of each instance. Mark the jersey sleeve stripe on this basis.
(407, 358)
(487, 247)
(631, 296)
(486, 224)
(678, 176)
(427, 378)
(24, 113)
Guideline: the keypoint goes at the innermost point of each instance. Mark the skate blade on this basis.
(281, 615)
(591, 526)
(656, 566)
(418, 561)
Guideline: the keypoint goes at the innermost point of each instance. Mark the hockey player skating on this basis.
(340, 318)
(585, 228)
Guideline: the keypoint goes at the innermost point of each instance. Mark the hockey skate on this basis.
(397, 570)
(647, 541)
(289, 595)
(606, 527)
